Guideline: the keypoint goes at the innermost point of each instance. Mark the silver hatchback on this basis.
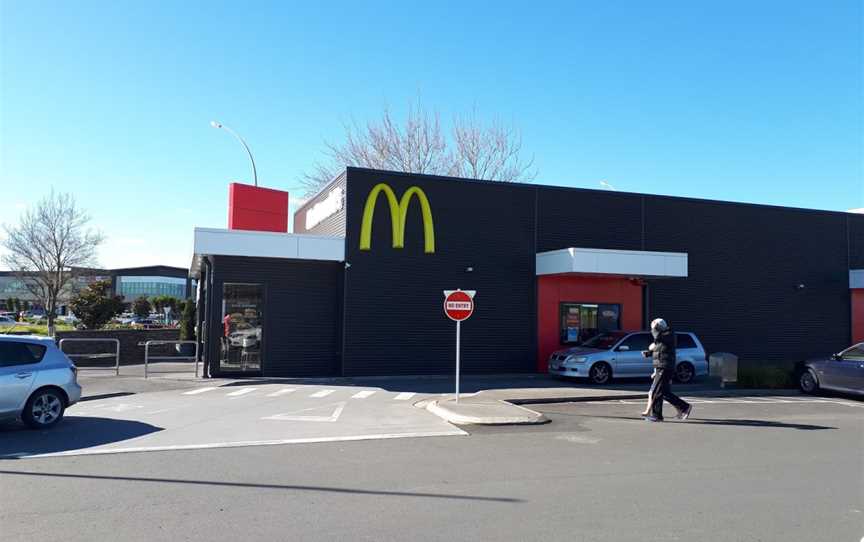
(37, 381)
(619, 353)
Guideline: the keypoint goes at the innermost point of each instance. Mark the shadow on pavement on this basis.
(72, 433)
(733, 422)
(263, 486)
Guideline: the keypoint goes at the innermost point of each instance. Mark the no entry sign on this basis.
(458, 304)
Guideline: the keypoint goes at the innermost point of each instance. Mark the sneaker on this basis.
(652, 419)
(684, 414)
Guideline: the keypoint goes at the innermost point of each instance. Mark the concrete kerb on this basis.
(495, 412)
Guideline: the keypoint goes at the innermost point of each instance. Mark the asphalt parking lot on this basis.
(750, 468)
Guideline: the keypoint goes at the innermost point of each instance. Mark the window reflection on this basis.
(242, 324)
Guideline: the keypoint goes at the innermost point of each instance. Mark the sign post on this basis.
(458, 306)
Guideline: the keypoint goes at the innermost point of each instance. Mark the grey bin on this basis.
(725, 366)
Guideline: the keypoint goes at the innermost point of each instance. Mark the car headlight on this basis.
(575, 359)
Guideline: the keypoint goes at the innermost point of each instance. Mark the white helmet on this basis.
(658, 326)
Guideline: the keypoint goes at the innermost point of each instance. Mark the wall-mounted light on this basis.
(800, 286)
(469, 269)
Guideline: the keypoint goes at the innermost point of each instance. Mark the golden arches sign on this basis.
(398, 216)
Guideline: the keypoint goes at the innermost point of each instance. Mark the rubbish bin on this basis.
(725, 366)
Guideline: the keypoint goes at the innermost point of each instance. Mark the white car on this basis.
(38, 382)
(7, 322)
(619, 353)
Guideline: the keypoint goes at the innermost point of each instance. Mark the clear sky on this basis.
(734, 100)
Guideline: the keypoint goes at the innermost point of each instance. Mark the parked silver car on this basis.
(37, 381)
(619, 353)
(842, 372)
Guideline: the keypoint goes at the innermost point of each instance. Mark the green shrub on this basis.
(187, 322)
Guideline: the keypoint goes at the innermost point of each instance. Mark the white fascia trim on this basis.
(601, 261)
(264, 244)
(856, 278)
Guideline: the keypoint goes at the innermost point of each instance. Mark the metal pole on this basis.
(458, 339)
(146, 355)
(117, 358)
(245, 146)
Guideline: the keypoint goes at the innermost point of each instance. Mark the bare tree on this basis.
(44, 250)
(473, 149)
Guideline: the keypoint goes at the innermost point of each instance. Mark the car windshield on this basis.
(604, 341)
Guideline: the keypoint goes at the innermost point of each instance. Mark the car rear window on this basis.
(685, 341)
(20, 353)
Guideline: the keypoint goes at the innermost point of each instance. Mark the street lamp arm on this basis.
(245, 146)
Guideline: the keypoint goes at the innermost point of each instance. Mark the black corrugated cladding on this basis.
(741, 294)
(746, 265)
(856, 241)
(302, 317)
(394, 303)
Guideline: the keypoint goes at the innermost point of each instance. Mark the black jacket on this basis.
(664, 350)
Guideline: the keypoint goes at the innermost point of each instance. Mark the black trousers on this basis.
(661, 388)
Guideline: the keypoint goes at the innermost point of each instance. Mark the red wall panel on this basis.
(256, 208)
(858, 315)
(555, 289)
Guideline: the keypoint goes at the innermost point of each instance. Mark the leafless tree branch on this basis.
(46, 247)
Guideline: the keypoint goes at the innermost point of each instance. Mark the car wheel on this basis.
(684, 373)
(600, 373)
(808, 382)
(44, 409)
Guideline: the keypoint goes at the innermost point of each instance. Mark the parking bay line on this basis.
(404, 396)
(244, 391)
(199, 390)
(363, 394)
(322, 393)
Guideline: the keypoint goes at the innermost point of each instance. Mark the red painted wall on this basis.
(555, 289)
(858, 315)
(256, 208)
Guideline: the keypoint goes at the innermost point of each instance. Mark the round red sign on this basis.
(458, 305)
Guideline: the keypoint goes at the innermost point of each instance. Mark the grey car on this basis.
(619, 353)
(843, 372)
(37, 381)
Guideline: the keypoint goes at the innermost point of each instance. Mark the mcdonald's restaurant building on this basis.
(357, 289)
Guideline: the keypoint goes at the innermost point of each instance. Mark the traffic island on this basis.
(481, 411)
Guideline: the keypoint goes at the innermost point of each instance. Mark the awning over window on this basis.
(626, 263)
(856, 278)
(260, 244)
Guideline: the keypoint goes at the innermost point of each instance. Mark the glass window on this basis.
(17, 353)
(685, 341)
(242, 325)
(856, 353)
(582, 321)
(604, 341)
(638, 342)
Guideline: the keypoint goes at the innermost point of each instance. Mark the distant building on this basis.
(130, 283)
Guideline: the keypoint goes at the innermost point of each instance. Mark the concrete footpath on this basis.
(506, 406)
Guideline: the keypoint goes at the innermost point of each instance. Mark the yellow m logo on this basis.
(398, 215)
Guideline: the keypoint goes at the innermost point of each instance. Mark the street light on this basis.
(216, 124)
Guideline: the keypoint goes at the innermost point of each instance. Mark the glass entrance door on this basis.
(242, 327)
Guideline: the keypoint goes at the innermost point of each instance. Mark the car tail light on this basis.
(74, 370)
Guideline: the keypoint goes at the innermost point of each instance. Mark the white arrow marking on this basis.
(295, 416)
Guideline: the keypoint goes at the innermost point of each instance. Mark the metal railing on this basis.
(148, 358)
(116, 353)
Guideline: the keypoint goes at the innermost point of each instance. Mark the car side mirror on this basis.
(623, 348)
(836, 357)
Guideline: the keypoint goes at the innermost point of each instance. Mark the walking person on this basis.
(662, 350)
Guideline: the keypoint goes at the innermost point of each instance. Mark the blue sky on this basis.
(744, 101)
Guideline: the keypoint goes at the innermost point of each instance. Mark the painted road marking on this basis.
(277, 393)
(244, 391)
(363, 394)
(322, 393)
(405, 395)
(379, 436)
(296, 416)
(199, 390)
